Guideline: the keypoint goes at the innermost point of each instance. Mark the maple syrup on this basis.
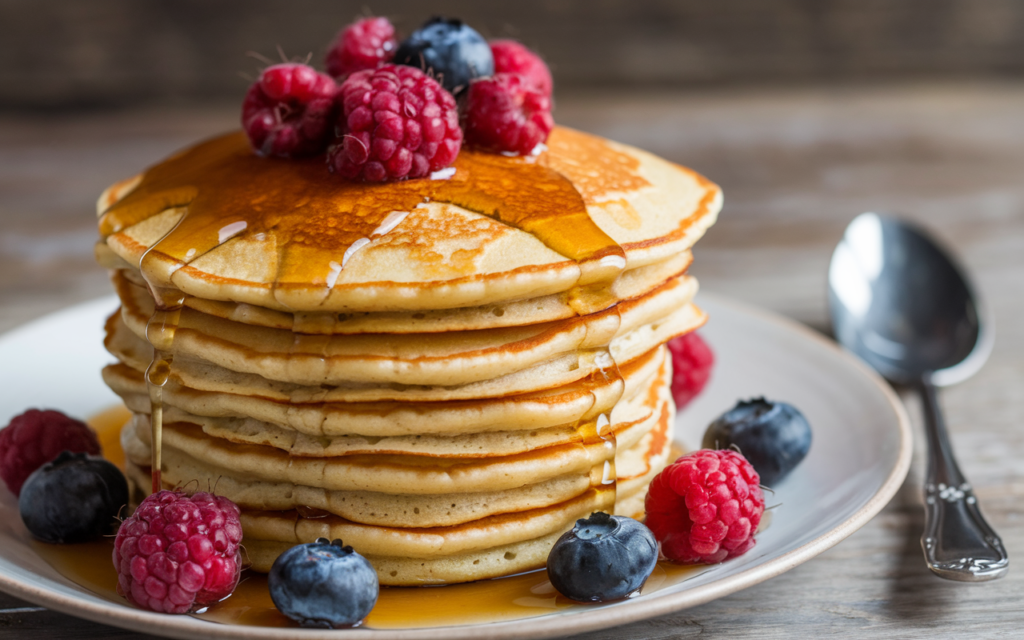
(160, 332)
(107, 424)
(597, 431)
(526, 595)
(228, 192)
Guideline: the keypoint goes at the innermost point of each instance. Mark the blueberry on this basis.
(73, 498)
(773, 436)
(603, 558)
(449, 49)
(323, 584)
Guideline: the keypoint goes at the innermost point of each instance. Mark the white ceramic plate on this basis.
(860, 456)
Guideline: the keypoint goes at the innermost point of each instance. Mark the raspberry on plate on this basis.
(365, 44)
(179, 553)
(507, 113)
(35, 438)
(705, 507)
(289, 111)
(692, 361)
(396, 123)
(512, 57)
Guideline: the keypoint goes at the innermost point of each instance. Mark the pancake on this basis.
(585, 194)
(633, 283)
(445, 359)
(558, 371)
(630, 411)
(569, 404)
(386, 473)
(402, 510)
(445, 373)
(394, 571)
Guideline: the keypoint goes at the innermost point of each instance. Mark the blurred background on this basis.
(807, 112)
(65, 55)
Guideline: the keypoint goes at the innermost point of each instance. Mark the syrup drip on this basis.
(160, 332)
(597, 429)
(317, 222)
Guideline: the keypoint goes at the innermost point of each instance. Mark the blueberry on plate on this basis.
(450, 50)
(74, 498)
(602, 558)
(323, 584)
(773, 436)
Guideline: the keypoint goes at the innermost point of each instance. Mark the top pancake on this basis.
(225, 225)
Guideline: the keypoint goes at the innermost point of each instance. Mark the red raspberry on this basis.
(705, 507)
(692, 360)
(364, 44)
(178, 553)
(37, 437)
(512, 57)
(506, 113)
(288, 112)
(396, 123)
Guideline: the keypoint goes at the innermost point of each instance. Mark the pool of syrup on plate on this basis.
(527, 595)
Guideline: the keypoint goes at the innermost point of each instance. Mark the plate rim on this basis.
(541, 626)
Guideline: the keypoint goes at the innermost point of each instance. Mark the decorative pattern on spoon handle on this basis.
(958, 543)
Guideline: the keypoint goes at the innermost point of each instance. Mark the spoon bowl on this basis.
(904, 306)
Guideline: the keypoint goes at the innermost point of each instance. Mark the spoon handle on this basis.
(958, 543)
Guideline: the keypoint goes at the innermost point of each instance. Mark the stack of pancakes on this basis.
(443, 373)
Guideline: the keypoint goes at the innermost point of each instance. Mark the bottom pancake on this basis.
(413, 572)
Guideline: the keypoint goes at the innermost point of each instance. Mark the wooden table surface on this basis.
(796, 165)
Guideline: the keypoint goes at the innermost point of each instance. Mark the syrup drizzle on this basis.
(318, 222)
(596, 430)
(314, 217)
(160, 332)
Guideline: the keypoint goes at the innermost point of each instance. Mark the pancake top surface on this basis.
(224, 224)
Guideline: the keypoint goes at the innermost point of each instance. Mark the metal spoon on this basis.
(904, 306)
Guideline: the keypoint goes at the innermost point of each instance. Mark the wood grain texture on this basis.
(67, 53)
(796, 166)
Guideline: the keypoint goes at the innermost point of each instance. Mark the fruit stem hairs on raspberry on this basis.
(387, 110)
